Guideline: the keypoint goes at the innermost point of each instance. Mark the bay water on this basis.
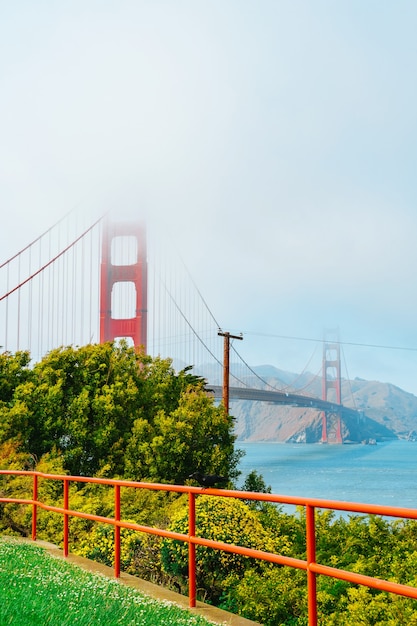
(384, 474)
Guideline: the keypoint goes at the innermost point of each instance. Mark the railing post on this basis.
(117, 531)
(311, 558)
(191, 551)
(66, 507)
(34, 506)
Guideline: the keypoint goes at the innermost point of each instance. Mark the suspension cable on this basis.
(51, 261)
(195, 333)
(32, 243)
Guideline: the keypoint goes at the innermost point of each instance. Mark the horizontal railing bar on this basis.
(362, 579)
(18, 501)
(99, 518)
(319, 503)
(250, 552)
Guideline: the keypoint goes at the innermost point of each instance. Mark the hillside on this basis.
(387, 412)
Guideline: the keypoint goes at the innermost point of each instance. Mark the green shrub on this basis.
(220, 519)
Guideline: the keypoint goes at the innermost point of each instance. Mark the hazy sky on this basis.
(275, 140)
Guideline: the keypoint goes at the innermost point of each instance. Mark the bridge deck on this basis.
(283, 398)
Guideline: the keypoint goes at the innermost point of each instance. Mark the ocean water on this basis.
(384, 474)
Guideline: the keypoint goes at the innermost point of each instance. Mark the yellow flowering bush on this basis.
(139, 552)
(220, 519)
(99, 545)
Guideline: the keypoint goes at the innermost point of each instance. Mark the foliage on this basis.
(171, 446)
(220, 519)
(112, 409)
(272, 595)
(366, 544)
(139, 552)
(255, 482)
(14, 370)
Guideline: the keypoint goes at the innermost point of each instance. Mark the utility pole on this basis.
(226, 366)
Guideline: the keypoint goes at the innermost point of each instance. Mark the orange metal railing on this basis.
(309, 565)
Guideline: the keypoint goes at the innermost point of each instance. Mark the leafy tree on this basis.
(196, 435)
(82, 404)
(14, 372)
(14, 369)
(255, 482)
(273, 595)
(113, 410)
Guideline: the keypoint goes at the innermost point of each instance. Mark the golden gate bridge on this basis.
(81, 283)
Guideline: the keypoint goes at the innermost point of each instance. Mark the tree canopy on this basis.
(110, 409)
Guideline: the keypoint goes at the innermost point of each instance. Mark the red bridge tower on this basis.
(124, 261)
(331, 390)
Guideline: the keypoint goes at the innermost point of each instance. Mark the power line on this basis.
(344, 343)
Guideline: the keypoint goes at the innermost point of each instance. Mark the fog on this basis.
(273, 142)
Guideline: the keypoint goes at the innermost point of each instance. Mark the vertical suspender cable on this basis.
(30, 308)
(90, 288)
(64, 277)
(7, 311)
(18, 308)
(40, 296)
(52, 294)
(81, 292)
(49, 294)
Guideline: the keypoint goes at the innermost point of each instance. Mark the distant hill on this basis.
(386, 411)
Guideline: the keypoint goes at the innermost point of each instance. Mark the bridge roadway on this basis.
(283, 398)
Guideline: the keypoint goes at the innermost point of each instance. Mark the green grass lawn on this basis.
(39, 589)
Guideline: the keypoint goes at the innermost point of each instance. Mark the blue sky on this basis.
(275, 141)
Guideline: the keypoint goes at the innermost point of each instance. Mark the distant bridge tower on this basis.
(123, 283)
(331, 388)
